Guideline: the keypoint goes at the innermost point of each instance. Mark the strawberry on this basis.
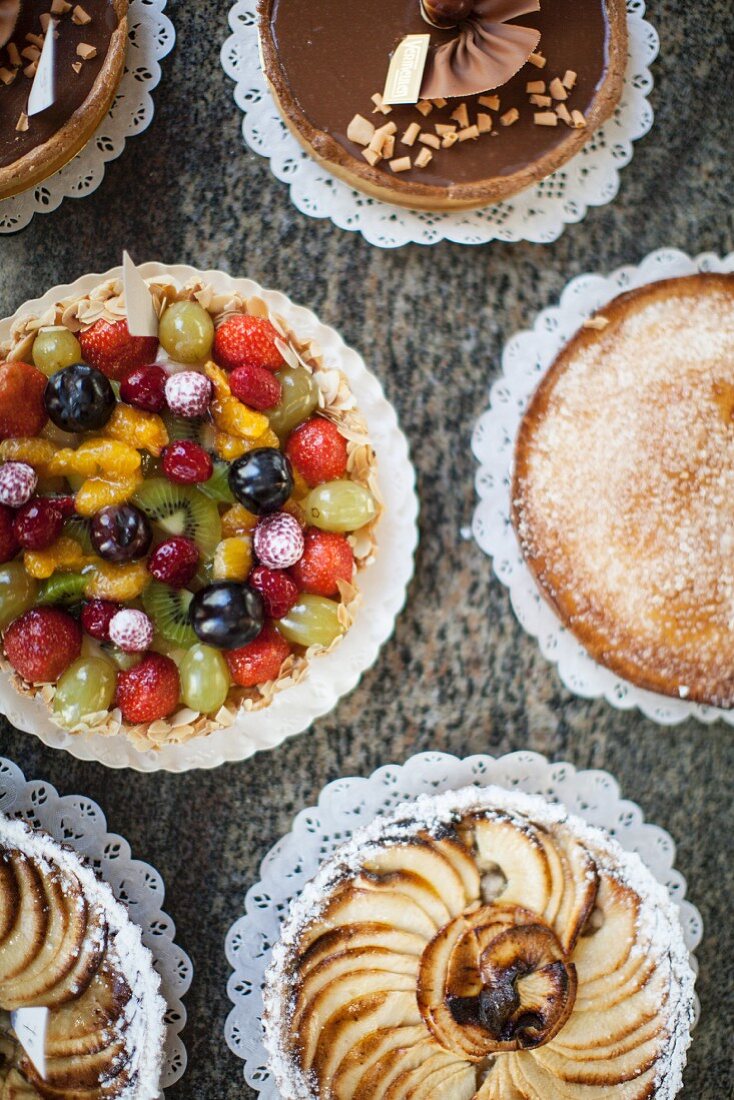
(259, 661)
(109, 347)
(255, 387)
(278, 590)
(318, 450)
(9, 545)
(42, 643)
(247, 341)
(22, 411)
(148, 691)
(327, 558)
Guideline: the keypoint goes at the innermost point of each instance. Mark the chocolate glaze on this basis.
(71, 89)
(335, 55)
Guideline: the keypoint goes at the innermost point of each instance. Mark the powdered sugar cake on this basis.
(623, 493)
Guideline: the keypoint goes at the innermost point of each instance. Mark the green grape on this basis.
(123, 660)
(339, 506)
(300, 398)
(17, 592)
(313, 621)
(204, 679)
(56, 348)
(186, 332)
(87, 687)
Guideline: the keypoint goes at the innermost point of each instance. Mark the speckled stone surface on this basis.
(460, 675)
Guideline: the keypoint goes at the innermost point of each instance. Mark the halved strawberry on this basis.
(148, 691)
(42, 643)
(247, 341)
(259, 661)
(327, 558)
(318, 451)
(109, 347)
(22, 411)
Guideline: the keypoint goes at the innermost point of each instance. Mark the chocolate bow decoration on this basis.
(9, 12)
(486, 51)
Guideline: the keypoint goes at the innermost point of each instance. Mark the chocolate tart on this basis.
(326, 59)
(67, 945)
(480, 945)
(52, 138)
(623, 493)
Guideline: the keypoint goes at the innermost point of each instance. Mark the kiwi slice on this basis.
(169, 610)
(63, 588)
(217, 487)
(77, 528)
(181, 510)
(178, 428)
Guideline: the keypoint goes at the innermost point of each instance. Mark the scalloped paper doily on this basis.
(151, 37)
(538, 214)
(383, 584)
(79, 823)
(525, 359)
(348, 804)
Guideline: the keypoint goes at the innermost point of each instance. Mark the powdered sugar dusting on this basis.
(143, 1022)
(625, 499)
(659, 935)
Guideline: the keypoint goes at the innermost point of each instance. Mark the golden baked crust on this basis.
(385, 187)
(623, 492)
(71, 138)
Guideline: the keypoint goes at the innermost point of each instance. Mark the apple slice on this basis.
(412, 886)
(424, 859)
(601, 1051)
(86, 1025)
(607, 950)
(600, 1029)
(9, 898)
(611, 1071)
(410, 1079)
(614, 988)
(457, 1082)
(94, 945)
(462, 860)
(582, 886)
(376, 1082)
(73, 1076)
(344, 962)
(498, 1085)
(16, 1087)
(352, 937)
(354, 906)
(528, 1073)
(516, 850)
(367, 1052)
(29, 932)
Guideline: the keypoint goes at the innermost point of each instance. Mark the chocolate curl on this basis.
(486, 50)
(9, 12)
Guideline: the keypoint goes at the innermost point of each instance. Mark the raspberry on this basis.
(65, 505)
(145, 388)
(9, 545)
(148, 691)
(22, 411)
(318, 451)
(327, 558)
(38, 524)
(131, 631)
(109, 347)
(18, 483)
(186, 463)
(247, 341)
(255, 386)
(259, 661)
(188, 394)
(278, 540)
(97, 616)
(278, 590)
(42, 643)
(174, 562)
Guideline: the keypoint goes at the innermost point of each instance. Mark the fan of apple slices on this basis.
(67, 946)
(479, 945)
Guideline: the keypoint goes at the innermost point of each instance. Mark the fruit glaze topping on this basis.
(181, 517)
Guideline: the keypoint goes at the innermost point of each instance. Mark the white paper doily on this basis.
(151, 36)
(79, 823)
(383, 584)
(348, 804)
(538, 214)
(525, 359)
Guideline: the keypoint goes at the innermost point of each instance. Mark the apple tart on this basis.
(480, 944)
(67, 945)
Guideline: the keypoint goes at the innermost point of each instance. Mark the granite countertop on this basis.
(460, 674)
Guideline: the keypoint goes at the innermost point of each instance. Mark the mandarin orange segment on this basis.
(97, 493)
(108, 457)
(65, 554)
(238, 521)
(233, 559)
(121, 583)
(143, 430)
(37, 453)
(231, 416)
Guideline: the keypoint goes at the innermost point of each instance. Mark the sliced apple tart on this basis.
(67, 946)
(480, 944)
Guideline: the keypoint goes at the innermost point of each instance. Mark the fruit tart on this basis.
(510, 90)
(183, 518)
(88, 62)
(68, 946)
(480, 945)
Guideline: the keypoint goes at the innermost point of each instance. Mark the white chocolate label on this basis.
(407, 65)
(43, 92)
(142, 319)
(29, 1024)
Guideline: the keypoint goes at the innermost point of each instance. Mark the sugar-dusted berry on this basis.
(188, 394)
(131, 631)
(259, 661)
(18, 483)
(278, 590)
(149, 691)
(242, 340)
(42, 643)
(278, 540)
(22, 412)
(327, 559)
(109, 347)
(318, 450)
